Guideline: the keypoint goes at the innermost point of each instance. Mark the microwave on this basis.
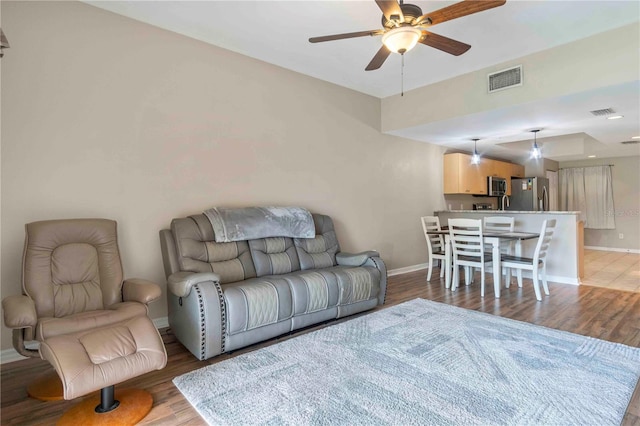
(497, 187)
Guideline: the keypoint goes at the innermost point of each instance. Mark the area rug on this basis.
(421, 362)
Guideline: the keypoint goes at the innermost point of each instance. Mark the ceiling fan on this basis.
(404, 26)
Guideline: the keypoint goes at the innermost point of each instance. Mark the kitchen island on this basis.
(565, 252)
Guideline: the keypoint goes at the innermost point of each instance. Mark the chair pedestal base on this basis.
(134, 405)
(47, 387)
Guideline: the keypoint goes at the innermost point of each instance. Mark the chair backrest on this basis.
(466, 238)
(546, 233)
(498, 223)
(71, 266)
(435, 243)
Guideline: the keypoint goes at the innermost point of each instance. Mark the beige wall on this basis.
(107, 117)
(625, 175)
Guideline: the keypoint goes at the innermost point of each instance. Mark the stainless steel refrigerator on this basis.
(529, 194)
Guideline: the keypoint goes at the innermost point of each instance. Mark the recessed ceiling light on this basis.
(615, 117)
(635, 137)
(591, 156)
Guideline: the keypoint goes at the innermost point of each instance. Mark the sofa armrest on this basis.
(355, 259)
(180, 283)
(139, 290)
(19, 312)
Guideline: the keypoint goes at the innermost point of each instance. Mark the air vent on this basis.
(629, 142)
(505, 79)
(601, 112)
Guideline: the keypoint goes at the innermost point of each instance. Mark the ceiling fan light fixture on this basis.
(401, 39)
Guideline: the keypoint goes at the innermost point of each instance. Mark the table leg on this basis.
(495, 257)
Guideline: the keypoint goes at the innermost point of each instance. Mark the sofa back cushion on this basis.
(198, 251)
(318, 252)
(272, 256)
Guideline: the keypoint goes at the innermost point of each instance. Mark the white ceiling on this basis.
(278, 31)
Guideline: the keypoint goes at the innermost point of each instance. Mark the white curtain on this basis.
(590, 191)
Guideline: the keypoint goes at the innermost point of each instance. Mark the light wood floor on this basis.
(609, 269)
(598, 312)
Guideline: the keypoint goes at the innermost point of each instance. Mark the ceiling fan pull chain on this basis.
(402, 75)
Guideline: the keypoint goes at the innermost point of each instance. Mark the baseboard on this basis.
(407, 269)
(621, 250)
(162, 322)
(11, 355)
(526, 274)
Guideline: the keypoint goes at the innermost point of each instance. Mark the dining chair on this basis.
(467, 248)
(537, 265)
(500, 224)
(435, 243)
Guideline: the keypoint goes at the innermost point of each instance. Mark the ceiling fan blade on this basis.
(379, 59)
(345, 35)
(443, 43)
(390, 8)
(458, 10)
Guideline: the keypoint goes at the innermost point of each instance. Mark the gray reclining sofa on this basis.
(223, 296)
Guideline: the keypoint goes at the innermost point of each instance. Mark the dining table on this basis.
(490, 237)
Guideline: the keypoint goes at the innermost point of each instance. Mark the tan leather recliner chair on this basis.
(91, 325)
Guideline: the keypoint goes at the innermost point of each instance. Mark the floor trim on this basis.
(621, 250)
(406, 269)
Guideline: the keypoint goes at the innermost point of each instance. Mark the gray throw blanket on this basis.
(249, 223)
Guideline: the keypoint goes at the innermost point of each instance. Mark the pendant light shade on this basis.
(475, 158)
(536, 152)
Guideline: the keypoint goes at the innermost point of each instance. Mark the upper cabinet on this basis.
(462, 177)
(517, 170)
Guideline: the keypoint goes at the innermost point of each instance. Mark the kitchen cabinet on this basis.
(517, 170)
(462, 177)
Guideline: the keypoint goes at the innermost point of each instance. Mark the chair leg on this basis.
(430, 269)
(544, 280)
(441, 268)
(455, 277)
(507, 277)
(482, 281)
(467, 275)
(536, 284)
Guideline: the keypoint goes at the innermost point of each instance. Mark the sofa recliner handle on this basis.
(180, 283)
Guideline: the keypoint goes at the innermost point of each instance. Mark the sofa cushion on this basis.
(312, 291)
(318, 252)
(198, 251)
(356, 284)
(256, 302)
(272, 256)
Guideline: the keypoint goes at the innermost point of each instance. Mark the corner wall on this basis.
(104, 116)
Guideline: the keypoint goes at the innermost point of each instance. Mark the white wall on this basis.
(104, 116)
(605, 59)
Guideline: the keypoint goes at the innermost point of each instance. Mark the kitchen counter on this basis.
(565, 250)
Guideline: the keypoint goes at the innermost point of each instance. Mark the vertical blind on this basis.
(590, 191)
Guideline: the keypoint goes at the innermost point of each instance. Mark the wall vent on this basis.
(629, 142)
(505, 79)
(601, 112)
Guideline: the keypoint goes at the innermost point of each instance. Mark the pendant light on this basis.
(475, 158)
(536, 152)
